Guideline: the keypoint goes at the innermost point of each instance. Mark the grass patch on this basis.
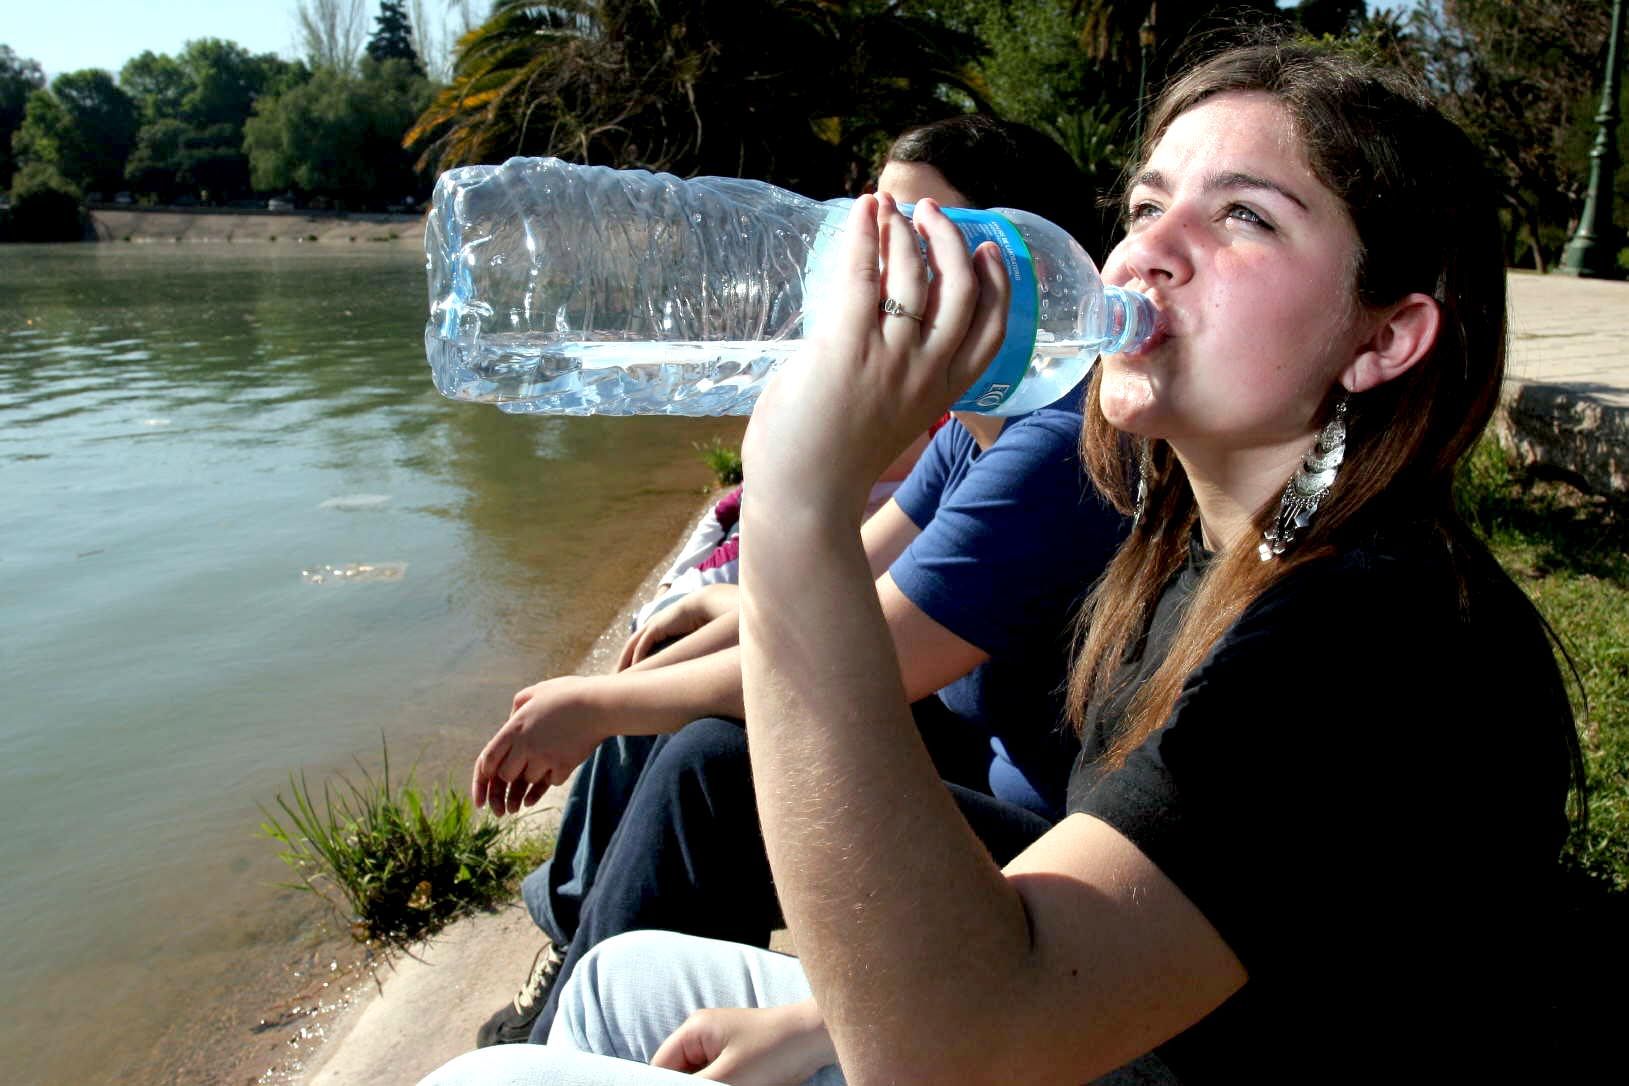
(397, 861)
(1570, 552)
(723, 459)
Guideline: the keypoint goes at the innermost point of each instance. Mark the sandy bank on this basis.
(200, 225)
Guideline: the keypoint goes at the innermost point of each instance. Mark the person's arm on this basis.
(687, 622)
(885, 535)
(555, 725)
(882, 882)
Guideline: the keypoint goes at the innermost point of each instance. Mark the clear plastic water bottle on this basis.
(575, 290)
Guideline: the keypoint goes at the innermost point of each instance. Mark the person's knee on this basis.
(707, 756)
(584, 1018)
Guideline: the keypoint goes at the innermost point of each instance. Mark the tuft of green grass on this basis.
(398, 862)
(1570, 553)
(723, 459)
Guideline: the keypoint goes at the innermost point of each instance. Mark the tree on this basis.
(393, 36)
(18, 79)
(433, 37)
(83, 127)
(691, 87)
(1513, 76)
(331, 32)
(45, 206)
(159, 164)
(1332, 18)
(158, 83)
(338, 136)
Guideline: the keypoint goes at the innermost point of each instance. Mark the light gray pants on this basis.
(631, 991)
(624, 999)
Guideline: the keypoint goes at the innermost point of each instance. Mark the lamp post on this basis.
(1593, 249)
(1145, 41)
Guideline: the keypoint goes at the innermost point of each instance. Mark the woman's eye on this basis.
(1141, 212)
(1243, 214)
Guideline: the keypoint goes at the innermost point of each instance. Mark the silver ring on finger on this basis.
(893, 308)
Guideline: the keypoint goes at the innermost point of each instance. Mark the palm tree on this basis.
(801, 92)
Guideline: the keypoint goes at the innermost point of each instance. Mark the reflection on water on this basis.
(242, 536)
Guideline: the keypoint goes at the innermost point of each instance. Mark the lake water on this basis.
(201, 447)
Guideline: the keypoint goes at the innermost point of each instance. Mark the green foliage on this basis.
(160, 163)
(83, 128)
(19, 78)
(1512, 75)
(103, 122)
(338, 136)
(696, 87)
(1571, 554)
(192, 110)
(45, 206)
(393, 36)
(398, 863)
(158, 83)
(722, 459)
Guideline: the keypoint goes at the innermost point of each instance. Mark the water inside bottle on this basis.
(530, 374)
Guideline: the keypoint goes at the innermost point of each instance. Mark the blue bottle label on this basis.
(1000, 378)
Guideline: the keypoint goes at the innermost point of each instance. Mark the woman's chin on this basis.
(1126, 397)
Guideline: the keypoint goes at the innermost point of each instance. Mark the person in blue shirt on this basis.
(979, 559)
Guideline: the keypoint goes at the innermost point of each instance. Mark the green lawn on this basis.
(1571, 554)
(1568, 551)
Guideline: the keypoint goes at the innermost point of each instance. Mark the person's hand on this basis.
(552, 727)
(869, 383)
(683, 616)
(770, 1046)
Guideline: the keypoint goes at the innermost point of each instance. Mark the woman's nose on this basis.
(1155, 252)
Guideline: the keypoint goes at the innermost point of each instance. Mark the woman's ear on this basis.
(1404, 333)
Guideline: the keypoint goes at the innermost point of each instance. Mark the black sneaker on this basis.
(512, 1024)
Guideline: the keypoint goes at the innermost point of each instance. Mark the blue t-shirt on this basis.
(1012, 538)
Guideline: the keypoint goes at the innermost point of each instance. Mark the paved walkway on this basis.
(1567, 393)
(1571, 332)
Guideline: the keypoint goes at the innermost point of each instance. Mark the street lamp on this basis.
(1593, 249)
(1145, 40)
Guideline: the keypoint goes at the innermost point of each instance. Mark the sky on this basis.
(67, 35)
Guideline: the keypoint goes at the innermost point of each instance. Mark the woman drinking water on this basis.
(1326, 748)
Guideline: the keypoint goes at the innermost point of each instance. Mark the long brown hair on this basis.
(1426, 220)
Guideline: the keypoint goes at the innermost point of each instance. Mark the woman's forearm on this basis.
(882, 882)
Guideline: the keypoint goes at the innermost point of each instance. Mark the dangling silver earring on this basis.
(1307, 486)
(1142, 484)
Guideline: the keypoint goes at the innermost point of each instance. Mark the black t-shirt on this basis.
(1362, 788)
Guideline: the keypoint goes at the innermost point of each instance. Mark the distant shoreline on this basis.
(226, 225)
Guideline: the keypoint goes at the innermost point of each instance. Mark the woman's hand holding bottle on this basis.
(822, 434)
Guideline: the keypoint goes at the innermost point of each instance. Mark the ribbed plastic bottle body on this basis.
(566, 289)
(574, 290)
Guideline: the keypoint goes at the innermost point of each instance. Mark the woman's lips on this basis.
(1161, 333)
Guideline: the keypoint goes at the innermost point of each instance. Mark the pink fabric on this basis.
(728, 509)
(723, 554)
